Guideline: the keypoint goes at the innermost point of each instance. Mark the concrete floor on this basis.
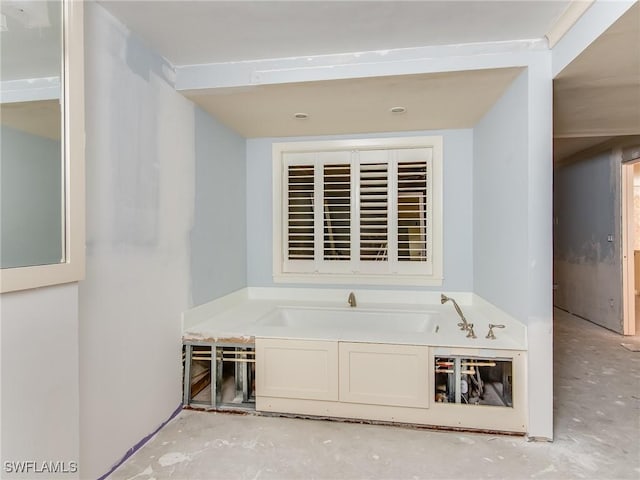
(597, 434)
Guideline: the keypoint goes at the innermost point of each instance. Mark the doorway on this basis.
(631, 246)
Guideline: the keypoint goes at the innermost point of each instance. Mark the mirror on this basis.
(32, 228)
(42, 237)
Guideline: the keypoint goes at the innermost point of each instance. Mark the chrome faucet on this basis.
(352, 300)
(471, 333)
(491, 335)
(464, 325)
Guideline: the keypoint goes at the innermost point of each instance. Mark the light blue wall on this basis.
(500, 200)
(457, 190)
(30, 199)
(219, 237)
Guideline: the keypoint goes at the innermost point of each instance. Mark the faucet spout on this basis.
(352, 300)
(464, 325)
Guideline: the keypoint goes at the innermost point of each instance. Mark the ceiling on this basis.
(31, 42)
(595, 98)
(188, 32)
(212, 32)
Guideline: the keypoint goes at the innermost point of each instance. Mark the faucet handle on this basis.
(490, 334)
(352, 299)
(471, 333)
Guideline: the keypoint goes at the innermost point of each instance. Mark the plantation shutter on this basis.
(412, 209)
(374, 192)
(337, 211)
(300, 215)
(358, 212)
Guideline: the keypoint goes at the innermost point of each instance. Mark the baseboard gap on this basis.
(140, 444)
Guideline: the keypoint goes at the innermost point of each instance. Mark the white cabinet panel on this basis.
(297, 369)
(379, 374)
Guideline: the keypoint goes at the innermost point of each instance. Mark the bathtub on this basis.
(351, 319)
(378, 361)
(380, 317)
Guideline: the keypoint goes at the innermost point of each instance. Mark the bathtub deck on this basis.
(240, 322)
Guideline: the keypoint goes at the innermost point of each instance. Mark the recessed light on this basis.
(397, 109)
(301, 115)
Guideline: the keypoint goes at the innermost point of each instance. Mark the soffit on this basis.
(41, 118)
(432, 101)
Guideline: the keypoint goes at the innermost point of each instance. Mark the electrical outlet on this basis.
(610, 237)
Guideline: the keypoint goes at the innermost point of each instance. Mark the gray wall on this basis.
(219, 237)
(588, 267)
(500, 213)
(457, 191)
(30, 206)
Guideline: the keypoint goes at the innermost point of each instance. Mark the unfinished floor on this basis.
(597, 433)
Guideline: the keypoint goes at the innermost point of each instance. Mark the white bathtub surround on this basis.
(381, 360)
(379, 296)
(209, 310)
(280, 313)
(387, 320)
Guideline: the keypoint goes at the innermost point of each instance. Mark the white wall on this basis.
(457, 189)
(140, 194)
(39, 332)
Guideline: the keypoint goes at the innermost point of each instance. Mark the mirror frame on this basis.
(73, 268)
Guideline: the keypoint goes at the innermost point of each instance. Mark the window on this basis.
(366, 211)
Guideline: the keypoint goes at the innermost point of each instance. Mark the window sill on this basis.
(323, 278)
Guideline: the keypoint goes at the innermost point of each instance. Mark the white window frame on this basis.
(413, 274)
(72, 268)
